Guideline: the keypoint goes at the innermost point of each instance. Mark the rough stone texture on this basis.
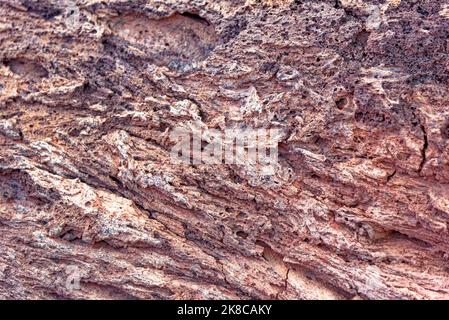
(359, 205)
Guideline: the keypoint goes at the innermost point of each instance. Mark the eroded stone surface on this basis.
(359, 207)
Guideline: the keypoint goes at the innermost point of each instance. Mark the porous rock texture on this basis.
(358, 207)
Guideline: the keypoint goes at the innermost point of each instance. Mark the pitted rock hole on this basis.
(178, 39)
(27, 69)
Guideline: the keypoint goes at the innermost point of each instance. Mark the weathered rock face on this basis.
(359, 203)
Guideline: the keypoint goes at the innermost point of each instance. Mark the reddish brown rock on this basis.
(359, 204)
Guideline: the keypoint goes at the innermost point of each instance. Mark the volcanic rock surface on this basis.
(358, 207)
